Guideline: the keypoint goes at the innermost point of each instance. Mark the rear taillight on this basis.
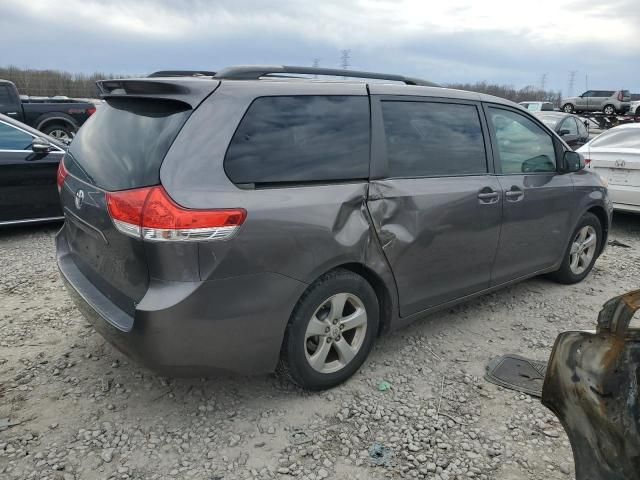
(149, 213)
(90, 111)
(587, 162)
(62, 174)
(620, 96)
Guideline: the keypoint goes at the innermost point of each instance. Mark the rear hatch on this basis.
(120, 149)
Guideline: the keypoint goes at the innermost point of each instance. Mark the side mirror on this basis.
(564, 132)
(40, 145)
(573, 161)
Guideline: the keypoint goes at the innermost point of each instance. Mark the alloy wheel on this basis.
(335, 333)
(60, 134)
(583, 249)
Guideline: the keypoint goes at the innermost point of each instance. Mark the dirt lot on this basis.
(84, 412)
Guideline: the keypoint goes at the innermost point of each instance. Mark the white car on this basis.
(634, 109)
(615, 156)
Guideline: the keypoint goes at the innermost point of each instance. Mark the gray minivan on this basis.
(245, 222)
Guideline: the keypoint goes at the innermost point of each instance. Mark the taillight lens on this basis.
(61, 176)
(149, 213)
(587, 162)
(90, 111)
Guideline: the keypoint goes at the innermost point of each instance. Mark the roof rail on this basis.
(181, 73)
(255, 72)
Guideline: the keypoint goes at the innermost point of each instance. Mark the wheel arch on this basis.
(382, 290)
(58, 118)
(601, 214)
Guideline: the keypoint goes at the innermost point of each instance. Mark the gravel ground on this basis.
(82, 411)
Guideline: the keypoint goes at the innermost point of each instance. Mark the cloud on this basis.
(459, 40)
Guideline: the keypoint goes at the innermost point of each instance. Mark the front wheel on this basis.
(582, 251)
(331, 331)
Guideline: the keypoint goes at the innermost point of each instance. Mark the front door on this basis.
(437, 210)
(582, 102)
(538, 200)
(27, 180)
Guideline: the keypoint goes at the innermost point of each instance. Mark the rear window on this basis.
(623, 138)
(301, 139)
(429, 139)
(122, 145)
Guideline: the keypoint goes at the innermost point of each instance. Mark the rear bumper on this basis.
(192, 328)
(625, 198)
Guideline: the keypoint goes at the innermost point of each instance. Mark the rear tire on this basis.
(609, 110)
(326, 343)
(582, 252)
(568, 108)
(61, 132)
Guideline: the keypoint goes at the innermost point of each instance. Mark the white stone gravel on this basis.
(86, 412)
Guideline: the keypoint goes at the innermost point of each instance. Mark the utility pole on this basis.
(572, 80)
(316, 64)
(345, 59)
(543, 81)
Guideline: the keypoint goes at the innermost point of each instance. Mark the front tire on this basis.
(331, 331)
(568, 108)
(609, 110)
(582, 251)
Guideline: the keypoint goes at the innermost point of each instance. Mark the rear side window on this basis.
(6, 97)
(300, 139)
(123, 144)
(13, 139)
(623, 138)
(431, 139)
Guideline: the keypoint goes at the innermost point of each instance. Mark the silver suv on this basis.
(242, 221)
(608, 102)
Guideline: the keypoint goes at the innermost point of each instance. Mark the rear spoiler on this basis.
(191, 91)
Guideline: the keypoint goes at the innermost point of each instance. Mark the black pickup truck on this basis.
(58, 118)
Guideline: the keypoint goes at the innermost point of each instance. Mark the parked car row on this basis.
(615, 155)
(59, 118)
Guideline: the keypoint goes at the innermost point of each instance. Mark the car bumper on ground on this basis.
(190, 329)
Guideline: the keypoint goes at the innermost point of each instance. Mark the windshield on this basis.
(122, 146)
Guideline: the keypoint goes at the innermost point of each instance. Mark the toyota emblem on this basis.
(79, 198)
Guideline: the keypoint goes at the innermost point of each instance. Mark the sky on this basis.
(447, 41)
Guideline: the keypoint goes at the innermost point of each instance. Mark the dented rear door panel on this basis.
(438, 236)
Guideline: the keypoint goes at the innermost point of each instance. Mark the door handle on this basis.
(514, 194)
(487, 195)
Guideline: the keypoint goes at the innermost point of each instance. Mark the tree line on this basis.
(55, 82)
(49, 83)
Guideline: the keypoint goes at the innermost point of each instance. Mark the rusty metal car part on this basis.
(592, 387)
